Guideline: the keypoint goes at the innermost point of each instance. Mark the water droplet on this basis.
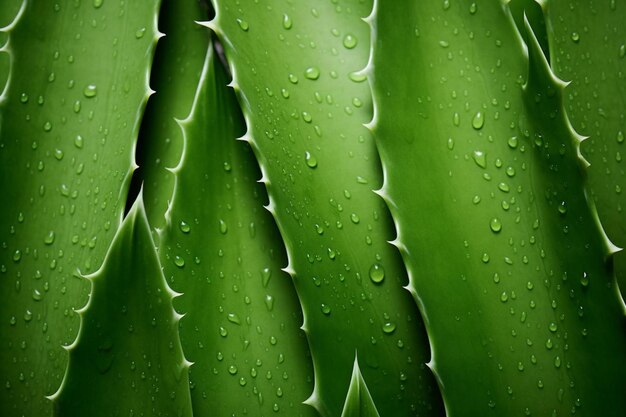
(179, 261)
(349, 41)
(473, 8)
(49, 239)
(480, 158)
(575, 37)
(97, 3)
(325, 309)
(232, 369)
(90, 91)
(377, 273)
(478, 121)
(495, 225)
(184, 227)
(312, 73)
(311, 161)
(584, 280)
(552, 327)
(389, 327)
(287, 22)
(243, 25)
(266, 274)
(223, 227)
(512, 142)
(233, 318)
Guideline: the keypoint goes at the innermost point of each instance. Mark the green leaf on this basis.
(530, 10)
(484, 180)
(295, 68)
(359, 402)
(221, 249)
(588, 48)
(127, 359)
(69, 122)
(175, 75)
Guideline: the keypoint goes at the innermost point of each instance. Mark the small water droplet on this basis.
(49, 239)
(325, 309)
(495, 225)
(287, 22)
(311, 161)
(233, 318)
(377, 273)
(90, 91)
(179, 261)
(349, 41)
(243, 25)
(312, 73)
(184, 227)
(480, 158)
(389, 327)
(478, 121)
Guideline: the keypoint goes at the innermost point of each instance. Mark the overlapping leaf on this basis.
(296, 69)
(127, 359)
(69, 121)
(222, 251)
(484, 180)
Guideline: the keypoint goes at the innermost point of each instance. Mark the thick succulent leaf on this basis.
(127, 359)
(221, 249)
(588, 47)
(530, 10)
(9, 9)
(69, 119)
(294, 66)
(359, 402)
(484, 180)
(175, 75)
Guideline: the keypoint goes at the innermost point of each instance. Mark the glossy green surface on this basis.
(588, 49)
(69, 120)
(485, 183)
(295, 68)
(127, 359)
(221, 250)
(175, 75)
(359, 402)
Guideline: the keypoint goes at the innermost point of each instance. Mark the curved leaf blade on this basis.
(222, 251)
(296, 69)
(484, 180)
(127, 358)
(70, 117)
(588, 48)
(175, 75)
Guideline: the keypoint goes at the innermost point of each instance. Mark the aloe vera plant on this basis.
(407, 225)
(304, 108)
(70, 118)
(219, 249)
(129, 333)
(587, 45)
(528, 296)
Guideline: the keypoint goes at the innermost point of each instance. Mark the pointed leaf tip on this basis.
(359, 402)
